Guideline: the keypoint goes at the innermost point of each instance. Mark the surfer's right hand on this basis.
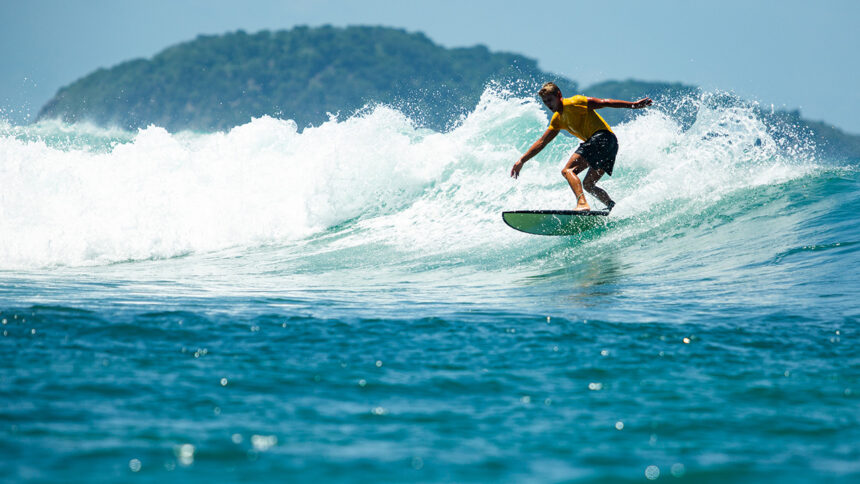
(515, 171)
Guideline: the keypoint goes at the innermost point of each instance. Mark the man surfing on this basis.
(577, 115)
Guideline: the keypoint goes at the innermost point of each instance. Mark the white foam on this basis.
(725, 150)
(153, 194)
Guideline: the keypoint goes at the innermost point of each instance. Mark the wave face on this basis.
(79, 195)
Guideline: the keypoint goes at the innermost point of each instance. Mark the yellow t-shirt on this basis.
(578, 119)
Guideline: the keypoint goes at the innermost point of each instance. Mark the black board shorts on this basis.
(599, 151)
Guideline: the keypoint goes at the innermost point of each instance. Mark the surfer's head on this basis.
(550, 94)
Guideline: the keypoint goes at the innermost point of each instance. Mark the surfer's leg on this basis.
(574, 165)
(590, 186)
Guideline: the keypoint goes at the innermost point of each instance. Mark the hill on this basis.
(216, 82)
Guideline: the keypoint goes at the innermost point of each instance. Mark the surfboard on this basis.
(554, 222)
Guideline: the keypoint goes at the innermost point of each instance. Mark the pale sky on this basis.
(790, 53)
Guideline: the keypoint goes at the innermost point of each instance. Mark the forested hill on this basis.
(217, 82)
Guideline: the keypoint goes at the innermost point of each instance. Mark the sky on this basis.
(792, 54)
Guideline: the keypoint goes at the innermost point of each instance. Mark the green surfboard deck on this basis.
(554, 222)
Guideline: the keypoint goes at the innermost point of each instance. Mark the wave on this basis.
(79, 195)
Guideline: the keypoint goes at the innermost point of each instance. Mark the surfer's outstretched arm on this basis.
(540, 144)
(597, 103)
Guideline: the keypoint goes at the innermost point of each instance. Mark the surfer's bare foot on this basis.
(581, 204)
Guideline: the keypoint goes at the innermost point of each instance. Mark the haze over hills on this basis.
(306, 74)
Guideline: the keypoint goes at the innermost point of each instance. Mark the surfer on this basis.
(577, 115)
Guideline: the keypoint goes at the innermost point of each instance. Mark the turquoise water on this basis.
(344, 303)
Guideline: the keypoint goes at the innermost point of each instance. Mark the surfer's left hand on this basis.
(644, 102)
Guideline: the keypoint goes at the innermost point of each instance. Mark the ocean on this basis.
(343, 303)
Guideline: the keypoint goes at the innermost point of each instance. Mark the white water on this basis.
(118, 196)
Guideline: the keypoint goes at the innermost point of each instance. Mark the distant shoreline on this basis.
(216, 82)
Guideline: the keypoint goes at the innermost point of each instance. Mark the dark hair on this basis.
(549, 88)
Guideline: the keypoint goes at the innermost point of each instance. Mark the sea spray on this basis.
(82, 195)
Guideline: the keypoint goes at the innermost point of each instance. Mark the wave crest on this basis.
(83, 195)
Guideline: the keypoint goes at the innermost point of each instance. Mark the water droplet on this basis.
(604, 352)
(379, 411)
(185, 454)
(362, 383)
(547, 402)
(134, 465)
(686, 341)
(652, 472)
(555, 348)
(217, 410)
(595, 386)
(619, 425)
(526, 399)
(678, 470)
(379, 363)
(263, 443)
(223, 382)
